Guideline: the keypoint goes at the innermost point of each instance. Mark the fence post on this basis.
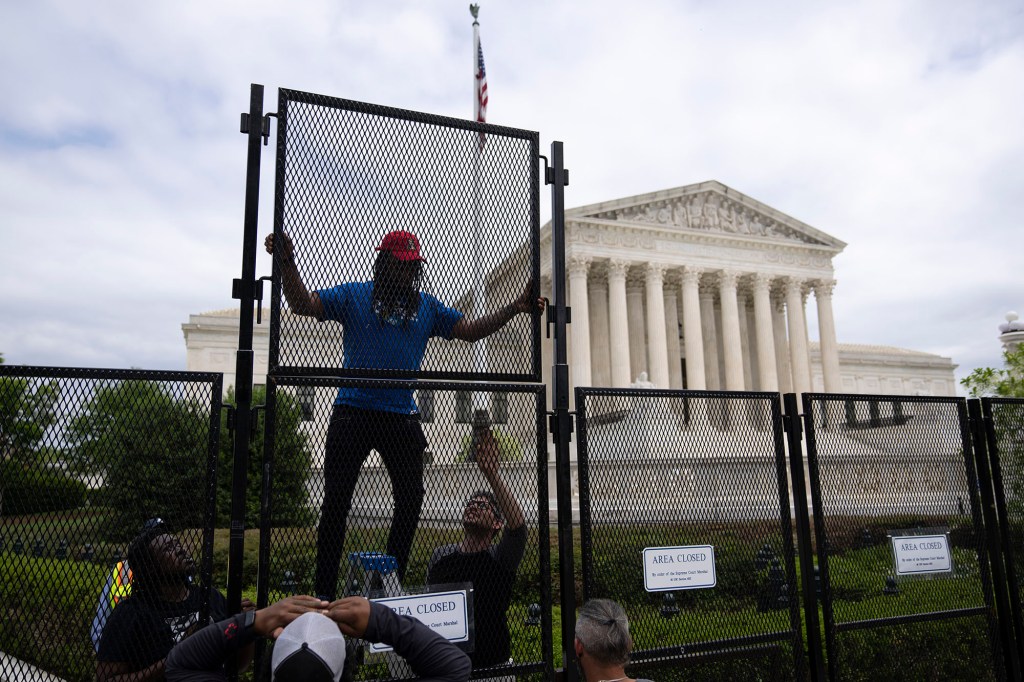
(794, 439)
(244, 291)
(1013, 584)
(558, 178)
(985, 483)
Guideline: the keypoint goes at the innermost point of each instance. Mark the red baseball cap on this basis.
(402, 245)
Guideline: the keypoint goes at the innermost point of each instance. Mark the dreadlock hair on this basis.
(391, 298)
(603, 630)
(141, 561)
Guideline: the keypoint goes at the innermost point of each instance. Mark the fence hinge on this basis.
(791, 424)
(552, 316)
(264, 126)
(254, 413)
(230, 409)
(549, 173)
(553, 425)
(259, 297)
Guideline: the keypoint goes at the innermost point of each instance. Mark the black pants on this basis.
(350, 437)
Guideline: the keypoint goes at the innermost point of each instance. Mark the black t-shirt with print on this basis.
(142, 631)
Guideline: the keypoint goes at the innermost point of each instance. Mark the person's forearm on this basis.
(295, 291)
(207, 649)
(483, 327)
(431, 656)
(154, 673)
(507, 502)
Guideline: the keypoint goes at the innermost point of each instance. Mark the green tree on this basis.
(26, 412)
(292, 462)
(1007, 382)
(1007, 418)
(150, 448)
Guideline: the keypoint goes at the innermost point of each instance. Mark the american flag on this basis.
(481, 88)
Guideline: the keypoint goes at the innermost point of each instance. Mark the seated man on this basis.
(117, 587)
(490, 567)
(164, 607)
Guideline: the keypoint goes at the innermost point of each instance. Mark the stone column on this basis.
(600, 351)
(797, 335)
(618, 326)
(827, 335)
(769, 378)
(730, 331)
(579, 301)
(657, 348)
(637, 327)
(710, 336)
(782, 366)
(693, 339)
(741, 308)
(805, 292)
(675, 368)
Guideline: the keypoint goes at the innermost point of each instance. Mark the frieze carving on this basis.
(708, 212)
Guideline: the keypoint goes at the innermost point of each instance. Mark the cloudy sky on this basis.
(894, 126)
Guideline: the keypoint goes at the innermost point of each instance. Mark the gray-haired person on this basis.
(603, 643)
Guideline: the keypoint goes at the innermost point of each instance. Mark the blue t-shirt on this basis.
(371, 343)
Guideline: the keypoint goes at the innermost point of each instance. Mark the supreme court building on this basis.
(697, 287)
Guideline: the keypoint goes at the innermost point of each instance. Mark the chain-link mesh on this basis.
(883, 471)
(706, 472)
(464, 197)
(88, 460)
(1006, 451)
(401, 485)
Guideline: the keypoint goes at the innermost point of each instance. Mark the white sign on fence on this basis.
(446, 613)
(679, 568)
(920, 554)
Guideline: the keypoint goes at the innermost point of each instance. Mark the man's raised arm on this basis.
(487, 459)
(301, 301)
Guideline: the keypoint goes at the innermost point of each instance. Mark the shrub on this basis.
(34, 490)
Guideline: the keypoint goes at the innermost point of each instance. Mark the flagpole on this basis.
(479, 309)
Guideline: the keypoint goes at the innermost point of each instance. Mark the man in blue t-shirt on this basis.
(387, 323)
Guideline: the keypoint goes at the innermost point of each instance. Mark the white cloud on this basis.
(893, 126)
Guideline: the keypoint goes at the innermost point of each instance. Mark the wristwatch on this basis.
(249, 621)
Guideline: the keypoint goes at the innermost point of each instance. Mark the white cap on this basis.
(311, 649)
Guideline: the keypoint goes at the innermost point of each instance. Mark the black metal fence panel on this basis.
(455, 495)
(685, 521)
(1005, 431)
(440, 214)
(89, 459)
(899, 537)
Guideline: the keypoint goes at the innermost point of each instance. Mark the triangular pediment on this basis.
(707, 207)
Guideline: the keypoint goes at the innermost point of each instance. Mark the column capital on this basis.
(618, 267)
(823, 288)
(793, 284)
(727, 279)
(762, 282)
(691, 275)
(655, 272)
(578, 265)
(708, 289)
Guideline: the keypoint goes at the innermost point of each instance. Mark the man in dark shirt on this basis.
(490, 567)
(164, 607)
